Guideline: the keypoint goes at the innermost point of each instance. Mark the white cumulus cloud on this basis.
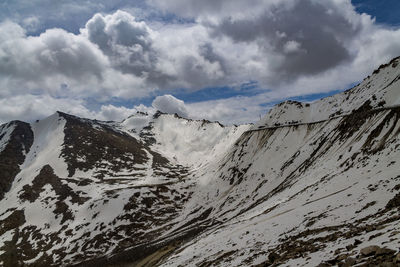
(170, 104)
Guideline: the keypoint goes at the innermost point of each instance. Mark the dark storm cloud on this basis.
(310, 36)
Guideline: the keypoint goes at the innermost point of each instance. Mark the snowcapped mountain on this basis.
(310, 184)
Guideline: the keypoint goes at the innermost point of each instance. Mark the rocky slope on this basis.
(310, 184)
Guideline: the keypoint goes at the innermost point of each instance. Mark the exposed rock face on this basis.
(19, 141)
(311, 184)
(62, 191)
(86, 147)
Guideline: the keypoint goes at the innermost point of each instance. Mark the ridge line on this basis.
(314, 122)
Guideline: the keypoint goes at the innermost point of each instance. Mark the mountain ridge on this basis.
(167, 191)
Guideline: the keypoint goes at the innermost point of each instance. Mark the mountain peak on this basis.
(311, 183)
(380, 89)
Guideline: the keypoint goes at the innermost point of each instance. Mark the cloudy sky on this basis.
(226, 60)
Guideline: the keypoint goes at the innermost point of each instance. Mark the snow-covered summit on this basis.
(193, 142)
